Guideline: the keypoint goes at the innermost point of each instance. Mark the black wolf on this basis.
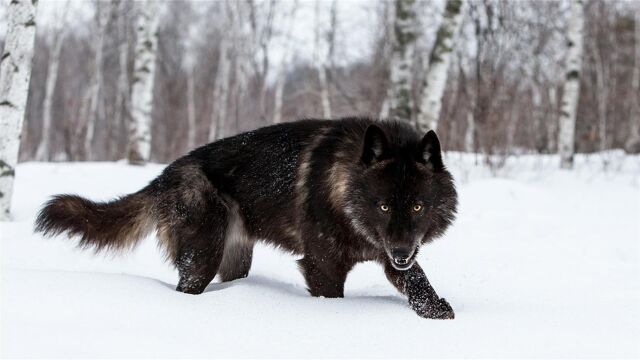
(337, 192)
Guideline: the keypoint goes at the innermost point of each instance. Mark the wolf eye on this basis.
(384, 207)
(417, 207)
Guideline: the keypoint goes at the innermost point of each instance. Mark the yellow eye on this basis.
(417, 207)
(384, 207)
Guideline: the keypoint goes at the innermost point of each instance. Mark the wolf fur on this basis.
(337, 192)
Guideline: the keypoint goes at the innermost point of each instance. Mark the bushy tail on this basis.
(113, 226)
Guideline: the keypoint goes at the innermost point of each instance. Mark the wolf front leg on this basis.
(324, 277)
(422, 297)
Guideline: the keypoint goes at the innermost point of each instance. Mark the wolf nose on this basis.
(400, 256)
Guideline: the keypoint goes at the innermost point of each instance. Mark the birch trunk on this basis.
(244, 56)
(122, 96)
(632, 144)
(320, 56)
(219, 112)
(569, 104)
(189, 64)
(143, 79)
(284, 65)
(603, 80)
(552, 127)
(438, 67)
(537, 115)
(469, 135)
(43, 150)
(96, 86)
(404, 42)
(262, 36)
(221, 93)
(15, 73)
(278, 95)
(191, 108)
(602, 92)
(389, 20)
(511, 124)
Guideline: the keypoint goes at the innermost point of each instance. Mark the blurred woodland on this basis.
(222, 67)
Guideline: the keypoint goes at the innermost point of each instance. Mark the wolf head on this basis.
(403, 196)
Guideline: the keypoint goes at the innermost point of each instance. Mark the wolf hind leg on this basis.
(236, 262)
(238, 248)
(201, 247)
(197, 267)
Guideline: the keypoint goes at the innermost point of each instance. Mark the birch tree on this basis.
(15, 73)
(191, 106)
(320, 58)
(123, 98)
(552, 123)
(388, 20)
(260, 21)
(95, 105)
(143, 78)
(438, 67)
(190, 68)
(58, 35)
(284, 64)
(404, 42)
(219, 112)
(604, 63)
(470, 131)
(633, 141)
(244, 56)
(569, 105)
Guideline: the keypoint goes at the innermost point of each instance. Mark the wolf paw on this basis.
(439, 309)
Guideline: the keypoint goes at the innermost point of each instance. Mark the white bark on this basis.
(219, 112)
(469, 145)
(537, 113)
(633, 142)
(244, 56)
(601, 98)
(97, 81)
(284, 65)
(190, 68)
(438, 67)
(320, 57)
(143, 79)
(191, 109)
(389, 19)
(42, 153)
(15, 73)
(122, 96)
(512, 122)
(404, 43)
(569, 105)
(604, 81)
(261, 34)
(43, 150)
(552, 123)
(278, 95)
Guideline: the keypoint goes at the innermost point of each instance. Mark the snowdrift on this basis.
(540, 262)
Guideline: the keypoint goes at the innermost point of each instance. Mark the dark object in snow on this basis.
(337, 192)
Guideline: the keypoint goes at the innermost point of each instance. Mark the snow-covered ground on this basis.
(540, 262)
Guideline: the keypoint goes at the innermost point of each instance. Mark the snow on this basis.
(540, 262)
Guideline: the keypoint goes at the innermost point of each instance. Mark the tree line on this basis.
(148, 81)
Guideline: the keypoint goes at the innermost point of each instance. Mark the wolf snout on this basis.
(401, 256)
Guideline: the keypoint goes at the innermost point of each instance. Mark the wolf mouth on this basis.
(402, 267)
(402, 263)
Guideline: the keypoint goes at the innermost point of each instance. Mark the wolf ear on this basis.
(430, 152)
(375, 146)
